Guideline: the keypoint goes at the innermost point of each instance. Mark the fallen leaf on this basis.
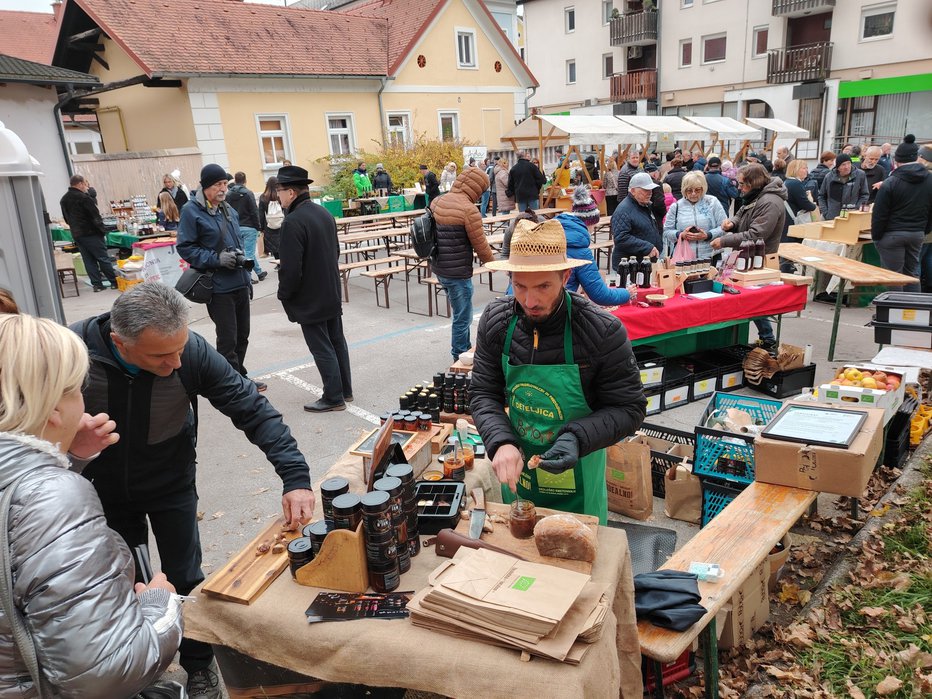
(889, 685)
(200, 515)
(260, 491)
(872, 612)
(853, 691)
(216, 515)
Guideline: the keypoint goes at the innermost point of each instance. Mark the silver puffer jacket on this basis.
(73, 583)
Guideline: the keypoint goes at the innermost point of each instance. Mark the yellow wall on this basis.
(483, 118)
(307, 122)
(152, 117)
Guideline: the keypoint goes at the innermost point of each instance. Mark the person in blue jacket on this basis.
(588, 276)
(634, 226)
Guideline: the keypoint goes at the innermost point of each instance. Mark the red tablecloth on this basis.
(681, 312)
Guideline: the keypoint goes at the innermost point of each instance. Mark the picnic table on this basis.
(847, 270)
(500, 222)
(396, 218)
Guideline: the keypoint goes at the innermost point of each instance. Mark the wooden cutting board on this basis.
(245, 576)
(526, 548)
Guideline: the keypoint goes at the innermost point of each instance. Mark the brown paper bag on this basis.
(627, 477)
(683, 499)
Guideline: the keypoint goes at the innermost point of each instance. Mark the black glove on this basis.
(562, 456)
(228, 259)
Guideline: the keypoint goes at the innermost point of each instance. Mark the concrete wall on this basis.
(27, 111)
(912, 35)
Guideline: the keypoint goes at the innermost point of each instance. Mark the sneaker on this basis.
(348, 399)
(263, 275)
(260, 387)
(768, 345)
(323, 407)
(205, 683)
(99, 287)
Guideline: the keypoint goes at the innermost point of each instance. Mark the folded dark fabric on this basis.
(668, 598)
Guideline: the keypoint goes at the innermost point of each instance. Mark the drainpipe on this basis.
(56, 115)
(384, 126)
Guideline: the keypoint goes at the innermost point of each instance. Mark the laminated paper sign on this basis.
(627, 478)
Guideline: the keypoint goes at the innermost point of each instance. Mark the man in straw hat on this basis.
(565, 371)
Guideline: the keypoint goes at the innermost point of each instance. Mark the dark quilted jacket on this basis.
(610, 377)
(459, 226)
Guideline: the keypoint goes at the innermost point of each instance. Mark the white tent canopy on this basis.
(577, 130)
(672, 127)
(782, 128)
(726, 127)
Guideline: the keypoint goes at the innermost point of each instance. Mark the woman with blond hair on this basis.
(171, 183)
(447, 177)
(696, 218)
(168, 214)
(71, 620)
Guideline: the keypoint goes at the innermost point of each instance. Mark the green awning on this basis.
(885, 86)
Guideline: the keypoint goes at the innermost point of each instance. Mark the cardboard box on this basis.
(750, 609)
(825, 469)
(850, 396)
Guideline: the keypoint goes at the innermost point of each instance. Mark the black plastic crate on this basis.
(660, 460)
(676, 386)
(902, 335)
(667, 433)
(786, 383)
(652, 366)
(654, 398)
(896, 444)
(660, 463)
(705, 376)
(729, 361)
(904, 308)
(895, 450)
(716, 496)
(438, 505)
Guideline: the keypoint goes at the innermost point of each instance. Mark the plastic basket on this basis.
(124, 284)
(667, 433)
(716, 496)
(763, 410)
(660, 462)
(679, 669)
(724, 455)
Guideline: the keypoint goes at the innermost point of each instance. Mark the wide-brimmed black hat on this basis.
(292, 174)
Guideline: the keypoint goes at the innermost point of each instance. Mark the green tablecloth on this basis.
(114, 240)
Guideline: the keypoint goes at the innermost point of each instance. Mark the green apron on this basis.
(541, 399)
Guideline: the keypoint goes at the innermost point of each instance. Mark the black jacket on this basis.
(609, 373)
(157, 422)
(524, 181)
(81, 214)
(818, 174)
(674, 178)
(309, 276)
(876, 174)
(382, 180)
(796, 196)
(180, 197)
(722, 188)
(244, 202)
(431, 185)
(202, 231)
(904, 202)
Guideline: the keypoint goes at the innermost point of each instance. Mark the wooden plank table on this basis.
(848, 271)
(501, 221)
(739, 539)
(396, 218)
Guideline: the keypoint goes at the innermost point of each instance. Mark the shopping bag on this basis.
(683, 496)
(683, 252)
(627, 476)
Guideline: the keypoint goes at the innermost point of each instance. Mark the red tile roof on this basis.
(28, 35)
(224, 37)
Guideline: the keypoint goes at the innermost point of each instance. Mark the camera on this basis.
(243, 261)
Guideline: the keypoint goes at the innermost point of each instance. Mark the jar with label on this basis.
(376, 516)
(300, 553)
(316, 532)
(523, 518)
(454, 463)
(329, 489)
(347, 512)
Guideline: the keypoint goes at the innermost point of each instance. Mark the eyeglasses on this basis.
(693, 189)
(281, 189)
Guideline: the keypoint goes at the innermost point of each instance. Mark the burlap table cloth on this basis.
(395, 653)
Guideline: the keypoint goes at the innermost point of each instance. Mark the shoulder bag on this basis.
(197, 285)
(21, 636)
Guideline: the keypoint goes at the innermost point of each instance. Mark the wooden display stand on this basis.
(755, 277)
(845, 229)
(340, 564)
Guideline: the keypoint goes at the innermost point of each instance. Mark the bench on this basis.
(435, 288)
(366, 252)
(739, 538)
(383, 277)
(346, 267)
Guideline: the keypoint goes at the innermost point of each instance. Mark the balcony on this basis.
(800, 8)
(634, 85)
(635, 29)
(799, 63)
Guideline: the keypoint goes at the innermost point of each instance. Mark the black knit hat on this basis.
(841, 159)
(212, 173)
(907, 151)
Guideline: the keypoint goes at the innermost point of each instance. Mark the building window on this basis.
(608, 65)
(686, 3)
(273, 140)
(571, 72)
(877, 21)
(466, 48)
(713, 48)
(449, 126)
(340, 131)
(399, 130)
(686, 53)
(607, 7)
(569, 19)
(760, 41)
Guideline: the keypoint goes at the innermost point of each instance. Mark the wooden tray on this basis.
(526, 548)
(247, 575)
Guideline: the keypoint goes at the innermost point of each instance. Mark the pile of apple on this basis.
(865, 378)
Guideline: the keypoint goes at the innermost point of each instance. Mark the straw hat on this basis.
(537, 247)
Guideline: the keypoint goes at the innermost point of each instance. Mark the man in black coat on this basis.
(309, 286)
(431, 184)
(243, 202)
(524, 182)
(87, 229)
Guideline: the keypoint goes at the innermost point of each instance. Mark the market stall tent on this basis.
(779, 128)
(725, 129)
(667, 130)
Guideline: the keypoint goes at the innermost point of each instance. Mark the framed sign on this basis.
(813, 425)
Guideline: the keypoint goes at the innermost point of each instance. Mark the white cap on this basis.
(641, 181)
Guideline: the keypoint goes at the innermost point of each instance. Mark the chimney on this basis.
(56, 10)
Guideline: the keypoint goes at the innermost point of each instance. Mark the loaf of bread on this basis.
(564, 536)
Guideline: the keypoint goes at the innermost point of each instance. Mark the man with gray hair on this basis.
(147, 371)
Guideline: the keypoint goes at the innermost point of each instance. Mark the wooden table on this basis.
(396, 218)
(848, 271)
(501, 221)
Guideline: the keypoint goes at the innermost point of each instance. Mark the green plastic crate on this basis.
(335, 207)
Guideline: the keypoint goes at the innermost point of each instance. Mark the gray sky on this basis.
(46, 5)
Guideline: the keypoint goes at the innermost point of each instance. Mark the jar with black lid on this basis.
(398, 421)
(411, 422)
(316, 532)
(347, 512)
(300, 553)
(329, 489)
(376, 515)
(392, 486)
(385, 417)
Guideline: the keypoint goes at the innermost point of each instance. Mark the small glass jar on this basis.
(522, 520)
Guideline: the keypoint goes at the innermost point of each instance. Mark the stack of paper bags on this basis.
(493, 598)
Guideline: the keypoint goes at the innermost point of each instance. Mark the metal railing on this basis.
(799, 63)
(634, 85)
(786, 8)
(637, 28)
